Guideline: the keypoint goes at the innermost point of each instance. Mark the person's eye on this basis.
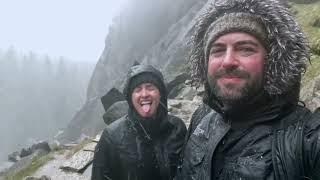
(151, 88)
(137, 89)
(247, 51)
(217, 52)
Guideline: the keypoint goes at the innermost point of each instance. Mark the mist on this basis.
(48, 51)
(39, 96)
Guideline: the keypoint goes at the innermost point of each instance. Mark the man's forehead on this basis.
(147, 84)
(237, 38)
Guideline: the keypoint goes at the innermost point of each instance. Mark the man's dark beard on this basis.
(236, 96)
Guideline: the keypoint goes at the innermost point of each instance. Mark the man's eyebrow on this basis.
(247, 42)
(217, 44)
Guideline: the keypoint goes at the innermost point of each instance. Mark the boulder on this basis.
(310, 94)
(14, 157)
(187, 93)
(184, 108)
(41, 146)
(178, 80)
(175, 91)
(116, 111)
(111, 97)
(25, 152)
(80, 160)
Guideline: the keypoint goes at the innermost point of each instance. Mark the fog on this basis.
(39, 95)
(75, 29)
(48, 51)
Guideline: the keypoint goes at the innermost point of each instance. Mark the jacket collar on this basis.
(261, 108)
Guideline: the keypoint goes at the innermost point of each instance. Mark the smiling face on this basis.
(235, 67)
(145, 99)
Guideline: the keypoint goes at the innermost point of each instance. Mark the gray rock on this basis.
(116, 111)
(175, 91)
(25, 152)
(52, 169)
(14, 157)
(310, 94)
(112, 96)
(187, 93)
(41, 146)
(178, 80)
(184, 108)
(80, 160)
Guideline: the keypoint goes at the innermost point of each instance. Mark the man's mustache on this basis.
(233, 72)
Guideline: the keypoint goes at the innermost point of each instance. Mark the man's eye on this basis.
(137, 89)
(216, 52)
(246, 51)
(150, 88)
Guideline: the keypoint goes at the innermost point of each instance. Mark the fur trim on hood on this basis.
(287, 47)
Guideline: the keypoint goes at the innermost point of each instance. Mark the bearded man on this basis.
(250, 56)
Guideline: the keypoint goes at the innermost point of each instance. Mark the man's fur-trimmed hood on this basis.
(287, 50)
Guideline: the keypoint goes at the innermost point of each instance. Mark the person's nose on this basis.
(144, 92)
(230, 60)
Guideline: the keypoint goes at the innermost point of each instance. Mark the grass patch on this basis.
(306, 15)
(36, 163)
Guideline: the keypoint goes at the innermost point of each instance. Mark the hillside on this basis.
(308, 16)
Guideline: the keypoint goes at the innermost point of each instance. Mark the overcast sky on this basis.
(75, 29)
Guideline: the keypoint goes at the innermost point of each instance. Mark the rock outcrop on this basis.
(116, 111)
(310, 94)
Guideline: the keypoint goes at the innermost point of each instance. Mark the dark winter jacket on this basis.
(285, 145)
(133, 148)
(124, 153)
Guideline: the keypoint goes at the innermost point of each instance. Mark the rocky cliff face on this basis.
(148, 32)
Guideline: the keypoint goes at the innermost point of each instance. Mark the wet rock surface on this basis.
(310, 94)
(115, 111)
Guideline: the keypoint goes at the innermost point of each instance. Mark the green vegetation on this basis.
(306, 15)
(37, 162)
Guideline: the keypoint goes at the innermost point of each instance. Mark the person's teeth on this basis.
(145, 102)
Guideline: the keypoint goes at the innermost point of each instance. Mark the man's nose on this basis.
(230, 60)
(144, 92)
